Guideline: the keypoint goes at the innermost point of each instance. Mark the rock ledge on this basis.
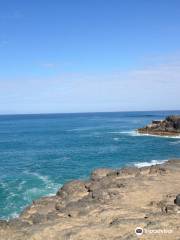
(109, 206)
(168, 127)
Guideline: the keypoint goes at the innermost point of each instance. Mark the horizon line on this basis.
(58, 113)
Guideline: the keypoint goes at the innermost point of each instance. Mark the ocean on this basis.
(38, 153)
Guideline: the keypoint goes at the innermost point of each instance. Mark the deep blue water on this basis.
(38, 153)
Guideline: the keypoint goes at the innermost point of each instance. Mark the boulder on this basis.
(156, 169)
(169, 126)
(128, 171)
(100, 173)
(177, 200)
(73, 190)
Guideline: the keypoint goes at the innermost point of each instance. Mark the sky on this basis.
(89, 56)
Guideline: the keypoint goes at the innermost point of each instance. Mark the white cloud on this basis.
(152, 87)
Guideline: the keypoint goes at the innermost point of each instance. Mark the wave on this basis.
(160, 136)
(32, 193)
(45, 179)
(3, 185)
(49, 188)
(175, 143)
(13, 215)
(21, 185)
(152, 162)
(85, 128)
(115, 139)
(135, 133)
(132, 133)
(10, 216)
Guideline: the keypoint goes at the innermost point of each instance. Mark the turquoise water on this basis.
(38, 153)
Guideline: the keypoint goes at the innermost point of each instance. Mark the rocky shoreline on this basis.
(168, 127)
(110, 206)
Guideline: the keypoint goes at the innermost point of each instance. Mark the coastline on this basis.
(110, 201)
(170, 126)
(88, 142)
(159, 133)
(137, 133)
(138, 164)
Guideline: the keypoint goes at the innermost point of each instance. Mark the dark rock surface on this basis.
(169, 126)
(177, 200)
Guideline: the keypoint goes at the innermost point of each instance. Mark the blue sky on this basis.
(93, 55)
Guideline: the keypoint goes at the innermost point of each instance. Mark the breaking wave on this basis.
(152, 162)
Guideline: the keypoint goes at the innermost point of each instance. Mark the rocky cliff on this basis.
(169, 126)
(108, 206)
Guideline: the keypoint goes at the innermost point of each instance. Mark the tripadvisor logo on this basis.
(139, 231)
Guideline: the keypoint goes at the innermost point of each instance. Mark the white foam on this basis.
(34, 191)
(84, 129)
(135, 133)
(50, 187)
(21, 185)
(45, 179)
(115, 139)
(14, 215)
(175, 143)
(130, 133)
(161, 136)
(152, 162)
(115, 132)
(77, 129)
(4, 185)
